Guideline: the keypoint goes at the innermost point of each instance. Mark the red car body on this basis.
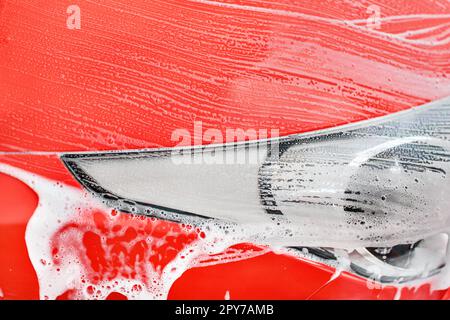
(137, 70)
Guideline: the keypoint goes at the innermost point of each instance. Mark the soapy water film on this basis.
(136, 71)
(369, 209)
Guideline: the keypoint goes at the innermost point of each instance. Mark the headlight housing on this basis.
(377, 184)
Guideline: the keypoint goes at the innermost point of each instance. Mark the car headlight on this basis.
(369, 187)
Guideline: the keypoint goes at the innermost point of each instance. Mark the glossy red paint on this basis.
(351, 287)
(137, 70)
(17, 277)
(282, 277)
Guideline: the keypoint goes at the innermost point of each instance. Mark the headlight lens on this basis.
(373, 185)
